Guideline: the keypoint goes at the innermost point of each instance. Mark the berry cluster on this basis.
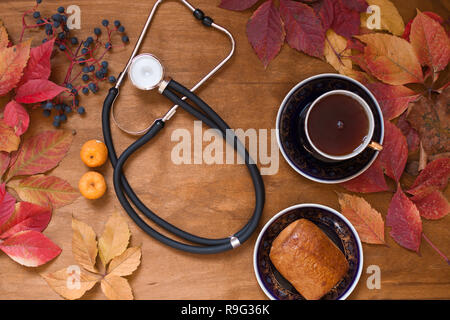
(87, 65)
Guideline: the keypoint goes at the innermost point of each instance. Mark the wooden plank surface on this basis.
(209, 200)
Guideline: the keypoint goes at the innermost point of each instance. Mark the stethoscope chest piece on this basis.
(146, 71)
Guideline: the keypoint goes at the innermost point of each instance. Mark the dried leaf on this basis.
(12, 62)
(336, 52)
(38, 90)
(325, 11)
(346, 21)
(393, 100)
(4, 40)
(114, 239)
(237, 5)
(41, 153)
(116, 288)
(126, 263)
(391, 59)
(46, 190)
(434, 176)
(4, 162)
(265, 32)
(357, 5)
(366, 220)
(8, 140)
(39, 66)
(430, 14)
(7, 204)
(433, 205)
(26, 216)
(70, 283)
(372, 180)
(30, 248)
(394, 155)
(304, 30)
(404, 220)
(411, 134)
(391, 20)
(16, 116)
(430, 42)
(84, 245)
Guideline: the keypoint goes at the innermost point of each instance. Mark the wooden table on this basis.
(209, 200)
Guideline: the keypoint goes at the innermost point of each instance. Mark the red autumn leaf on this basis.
(237, 5)
(39, 66)
(41, 153)
(38, 90)
(404, 220)
(367, 221)
(433, 205)
(357, 5)
(304, 30)
(430, 14)
(30, 248)
(430, 42)
(8, 140)
(12, 62)
(346, 21)
(411, 134)
(372, 180)
(325, 11)
(7, 203)
(16, 116)
(394, 155)
(265, 32)
(391, 59)
(393, 100)
(4, 162)
(27, 216)
(434, 176)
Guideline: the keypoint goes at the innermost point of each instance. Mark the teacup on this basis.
(339, 125)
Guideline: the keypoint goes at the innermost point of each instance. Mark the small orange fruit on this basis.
(92, 185)
(94, 153)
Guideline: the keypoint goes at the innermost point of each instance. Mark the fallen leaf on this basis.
(336, 52)
(357, 5)
(404, 220)
(4, 40)
(84, 245)
(46, 190)
(367, 221)
(391, 20)
(70, 283)
(9, 141)
(346, 22)
(30, 248)
(265, 32)
(434, 176)
(126, 263)
(430, 42)
(41, 152)
(432, 120)
(304, 30)
(394, 155)
(12, 62)
(430, 14)
(39, 66)
(237, 5)
(7, 204)
(391, 59)
(16, 116)
(393, 100)
(26, 216)
(411, 134)
(371, 180)
(4, 162)
(116, 288)
(38, 90)
(433, 205)
(114, 239)
(325, 11)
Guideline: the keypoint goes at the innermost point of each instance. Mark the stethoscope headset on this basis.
(146, 72)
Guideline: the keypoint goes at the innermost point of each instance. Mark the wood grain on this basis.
(209, 200)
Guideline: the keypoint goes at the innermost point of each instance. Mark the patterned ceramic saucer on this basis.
(292, 139)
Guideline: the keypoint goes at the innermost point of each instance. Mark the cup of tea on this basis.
(339, 125)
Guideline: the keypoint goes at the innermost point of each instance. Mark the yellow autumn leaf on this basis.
(126, 263)
(116, 288)
(390, 18)
(336, 52)
(70, 283)
(114, 239)
(84, 245)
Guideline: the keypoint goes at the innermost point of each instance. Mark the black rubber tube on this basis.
(124, 190)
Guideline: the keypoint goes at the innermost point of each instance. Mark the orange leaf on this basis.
(12, 62)
(3, 38)
(84, 245)
(116, 288)
(8, 140)
(391, 59)
(366, 220)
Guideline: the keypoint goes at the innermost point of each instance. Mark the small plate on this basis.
(292, 139)
(334, 225)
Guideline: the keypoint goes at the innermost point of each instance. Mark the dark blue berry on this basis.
(74, 40)
(58, 107)
(63, 117)
(125, 39)
(85, 90)
(117, 23)
(69, 86)
(61, 9)
(91, 68)
(105, 64)
(56, 24)
(121, 29)
(82, 61)
(57, 17)
(74, 91)
(112, 79)
(97, 31)
(61, 36)
(76, 102)
(86, 69)
(46, 113)
(105, 23)
(92, 87)
(90, 39)
(108, 45)
(56, 118)
(64, 18)
(81, 110)
(48, 106)
(62, 47)
(67, 108)
(36, 14)
(56, 123)
(40, 21)
(84, 50)
(99, 74)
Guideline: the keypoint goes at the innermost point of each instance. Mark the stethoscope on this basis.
(146, 72)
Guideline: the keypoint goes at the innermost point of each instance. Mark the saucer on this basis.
(334, 225)
(292, 139)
